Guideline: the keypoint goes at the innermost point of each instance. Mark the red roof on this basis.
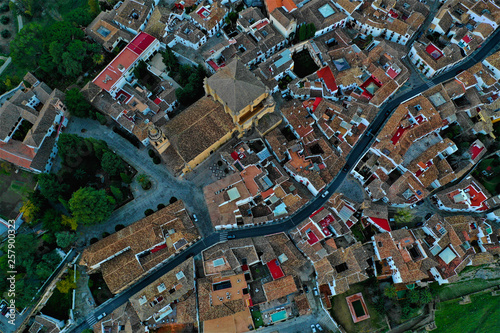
(433, 51)
(382, 223)
(122, 62)
(392, 73)
(261, 24)
(158, 248)
(316, 212)
(466, 39)
(398, 135)
(312, 238)
(326, 74)
(475, 150)
(141, 42)
(17, 153)
(157, 101)
(203, 12)
(393, 14)
(275, 269)
(214, 65)
(267, 193)
(477, 197)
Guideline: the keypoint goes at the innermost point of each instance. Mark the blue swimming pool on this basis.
(279, 316)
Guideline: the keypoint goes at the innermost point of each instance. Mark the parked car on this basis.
(102, 315)
(318, 326)
(428, 216)
(231, 236)
(421, 202)
(315, 291)
(195, 218)
(313, 328)
(325, 194)
(306, 289)
(419, 224)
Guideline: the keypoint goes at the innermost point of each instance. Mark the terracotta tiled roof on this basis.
(280, 288)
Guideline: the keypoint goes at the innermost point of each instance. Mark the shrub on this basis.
(93, 240)
(4, 19)
(160, 206)
(151, 153)
(173, 199)
(119, 227)
(6, 33)
(101, 118)
(156, 160)
(148, 212)
(126, 178)
(226, 170)
(105, 234)
(4, 8)
(219, 163)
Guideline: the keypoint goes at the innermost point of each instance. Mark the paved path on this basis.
(6, 63)
(164, 187)
(19, 22)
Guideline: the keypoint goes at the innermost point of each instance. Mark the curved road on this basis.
(362, 145)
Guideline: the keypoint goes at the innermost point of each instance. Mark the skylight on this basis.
(326, 10)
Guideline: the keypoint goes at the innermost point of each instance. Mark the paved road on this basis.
(358, 151)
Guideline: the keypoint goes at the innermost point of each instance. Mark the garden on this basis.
(481, 315)
(14, 188)
(99, 289)
(488, 174)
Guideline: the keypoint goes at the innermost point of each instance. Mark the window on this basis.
(341, 268)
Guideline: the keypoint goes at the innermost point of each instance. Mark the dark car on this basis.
(459, 71)
(231, 236)
(421, 202)
(428, 216)
(5, 310)
(419, 224)
(346, 168)
(306, 289)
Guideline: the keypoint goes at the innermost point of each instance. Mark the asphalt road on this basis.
(358, 151)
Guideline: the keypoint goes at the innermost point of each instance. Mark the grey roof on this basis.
(43, 154)
(236, 85)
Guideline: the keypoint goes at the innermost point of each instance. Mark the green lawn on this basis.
(342, 315)
(257, 318)
(453, 290)
(481, 315)
(490, 182)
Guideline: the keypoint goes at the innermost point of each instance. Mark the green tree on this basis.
(30, 211)
(90, 206)
(390, 292)
(302, 32)
(24, 258)
(50, 188)
(112, 163)
(125, 178)
(80, 17)
(27, 46)
(52, 221)
(77, 104)
(65, 239)
(4, 8)
(49, 262)
(403, 216)
(94, 7)
(68, 283)
(4, 19)
(25, 291)
(5, 33)
(170, 60)
(117, 193)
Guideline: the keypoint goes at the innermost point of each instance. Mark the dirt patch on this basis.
(14, 187)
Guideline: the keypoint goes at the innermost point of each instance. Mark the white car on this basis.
(318, 326)
(101, 316)
(315, 291)
(195, 218)
(325, 194)
(313, 328)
